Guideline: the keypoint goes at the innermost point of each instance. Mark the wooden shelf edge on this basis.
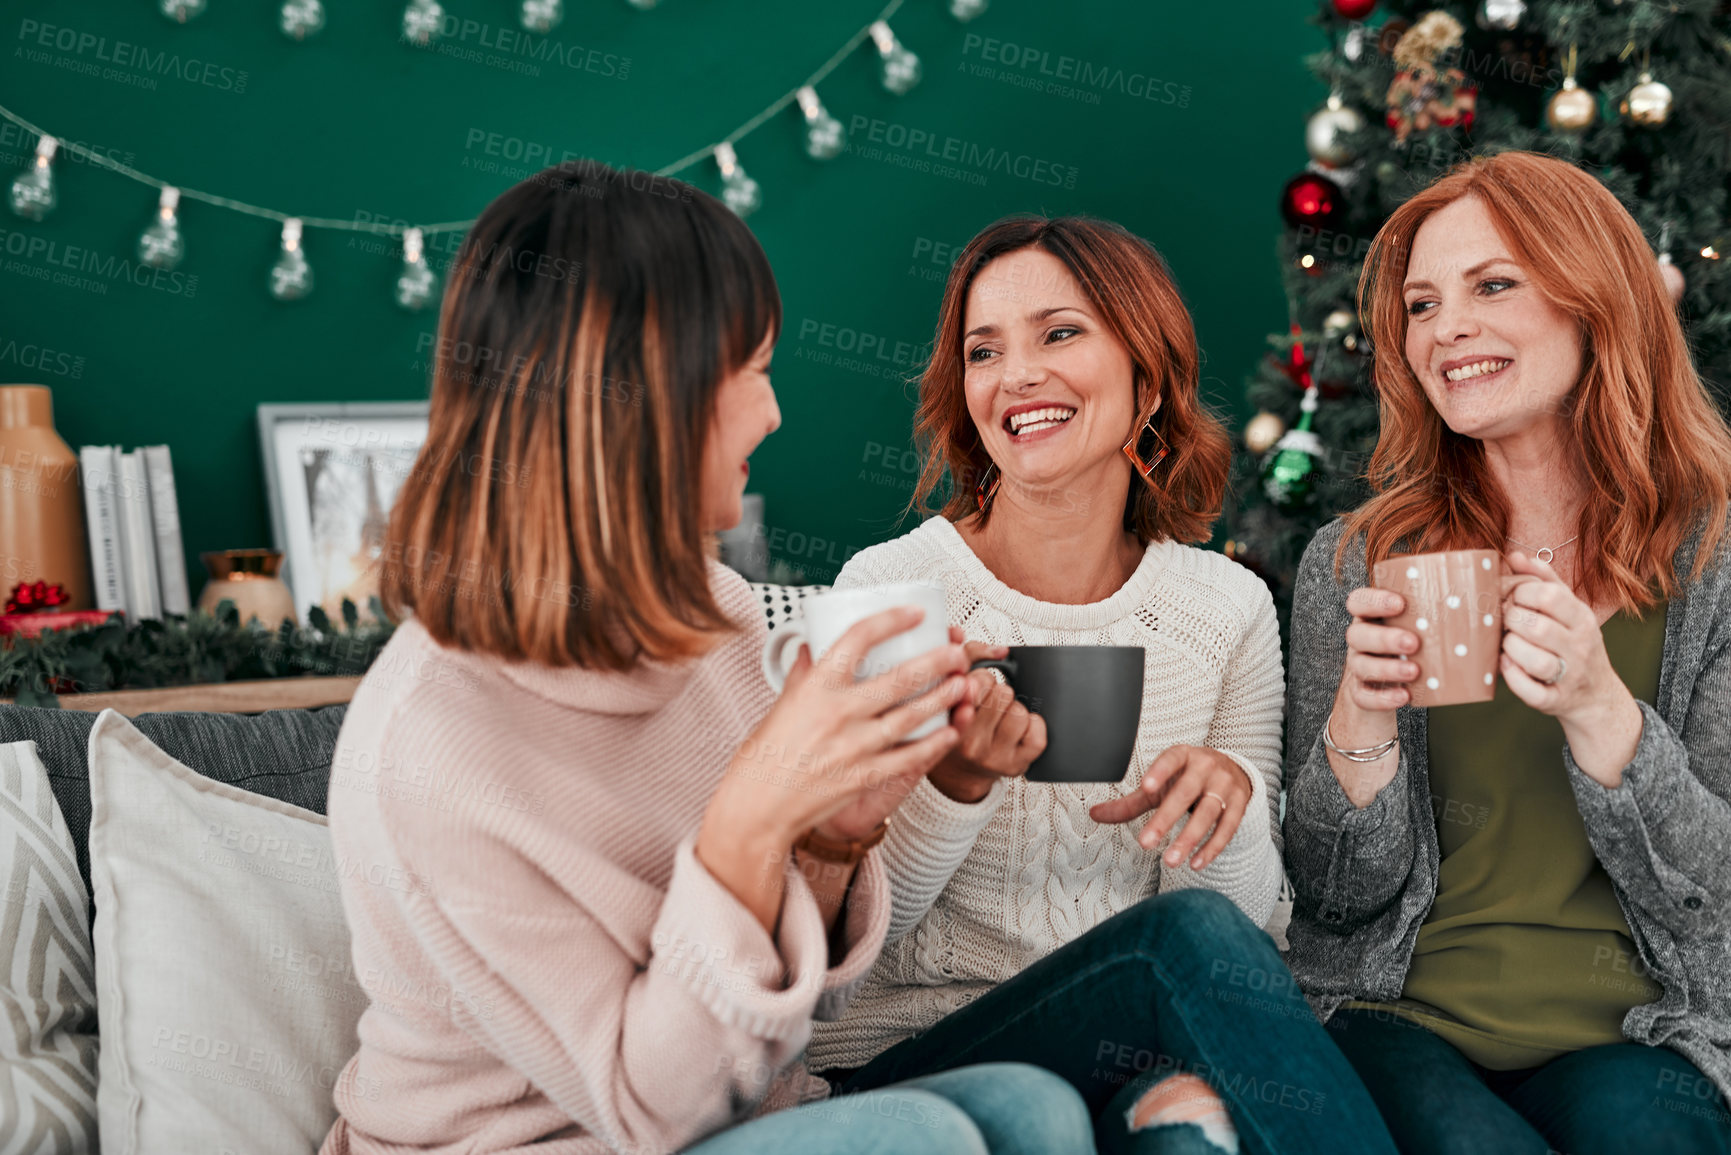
(219, 697)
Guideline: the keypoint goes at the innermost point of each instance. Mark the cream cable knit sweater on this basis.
(979, 891)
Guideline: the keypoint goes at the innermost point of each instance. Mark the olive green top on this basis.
(1525, 954)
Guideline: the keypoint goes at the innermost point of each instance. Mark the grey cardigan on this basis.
(1365, 878)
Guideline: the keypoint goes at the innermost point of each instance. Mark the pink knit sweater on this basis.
(547, 962)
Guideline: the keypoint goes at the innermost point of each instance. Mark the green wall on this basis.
(354, 123)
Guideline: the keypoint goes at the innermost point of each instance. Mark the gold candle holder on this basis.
(248, 578)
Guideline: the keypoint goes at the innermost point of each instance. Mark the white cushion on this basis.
(48, 987)
(218, 929)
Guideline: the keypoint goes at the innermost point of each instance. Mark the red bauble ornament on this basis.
(1310, 199)
(1354, 9)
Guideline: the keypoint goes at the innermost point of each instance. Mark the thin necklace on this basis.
(1546, 552)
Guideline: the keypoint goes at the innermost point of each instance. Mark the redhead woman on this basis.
(1036, 921)
(1515, 911)
(603, 880)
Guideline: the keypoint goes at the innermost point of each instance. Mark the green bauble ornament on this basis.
(1289, 477)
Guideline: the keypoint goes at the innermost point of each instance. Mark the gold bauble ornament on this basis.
(1262, 431)
(1339, 323)
(1572, 109)
(1648, 103)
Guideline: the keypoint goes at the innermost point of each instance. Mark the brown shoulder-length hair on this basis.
(1650, 443)
(553, 512)
(1127, 281)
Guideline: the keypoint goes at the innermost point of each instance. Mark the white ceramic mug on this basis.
(826, 617)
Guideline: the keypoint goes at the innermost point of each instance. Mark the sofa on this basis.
(177, 968)
(140, 1046)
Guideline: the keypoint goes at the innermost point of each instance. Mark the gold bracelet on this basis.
(843, 851)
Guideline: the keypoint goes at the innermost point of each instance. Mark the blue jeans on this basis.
(1180, 982)
(1621, 1097)
(989, 1109)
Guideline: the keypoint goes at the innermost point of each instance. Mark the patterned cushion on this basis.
(781, 603)
(282, 754)
(48, 1045)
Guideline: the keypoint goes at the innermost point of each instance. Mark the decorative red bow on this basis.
(38, 598)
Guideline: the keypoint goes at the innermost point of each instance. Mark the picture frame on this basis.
(332, 471)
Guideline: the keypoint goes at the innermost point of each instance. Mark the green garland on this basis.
(183, 651)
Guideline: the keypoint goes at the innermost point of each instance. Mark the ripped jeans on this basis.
(1179, 983)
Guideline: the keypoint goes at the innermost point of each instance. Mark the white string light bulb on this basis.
(181, 11)
(901, 69)
(542, 15)
(33, 189)
(417, 283)
(966, 10)
(738, 191)
(423, 20)
(300, 19)
(160, 246)
(824, 135)
(291, 278)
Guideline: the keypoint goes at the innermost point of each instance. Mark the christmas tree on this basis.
(1636, 92)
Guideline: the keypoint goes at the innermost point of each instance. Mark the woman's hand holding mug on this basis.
(1000, 737)
(1373, 685)
(830, 752)
(1554, 660)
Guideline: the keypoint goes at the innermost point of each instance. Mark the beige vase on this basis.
(42, 535)
(248, 578)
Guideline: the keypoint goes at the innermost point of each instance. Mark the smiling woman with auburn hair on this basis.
(1181, 499)
(1031, 921)
(1651, 448)
(1552, 974)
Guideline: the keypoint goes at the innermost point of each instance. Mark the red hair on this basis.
(1128, 283)
(1651, 445)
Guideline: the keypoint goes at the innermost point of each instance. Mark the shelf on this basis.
(220, 697)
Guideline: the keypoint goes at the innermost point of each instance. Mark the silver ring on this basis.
(1562, 668)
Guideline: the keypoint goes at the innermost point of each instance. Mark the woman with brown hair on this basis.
(599, 880)
(1555, 972)
(1029, 920)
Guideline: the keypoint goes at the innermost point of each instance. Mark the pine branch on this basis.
(191, 650)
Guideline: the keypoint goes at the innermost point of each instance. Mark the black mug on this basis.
(1091, 699)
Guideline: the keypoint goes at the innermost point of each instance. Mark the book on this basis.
(99, 471)
(165, 513)
(138, 532)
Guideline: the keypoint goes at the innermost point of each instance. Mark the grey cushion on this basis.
(283, 754)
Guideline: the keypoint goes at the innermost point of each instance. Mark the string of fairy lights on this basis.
(33, 194)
